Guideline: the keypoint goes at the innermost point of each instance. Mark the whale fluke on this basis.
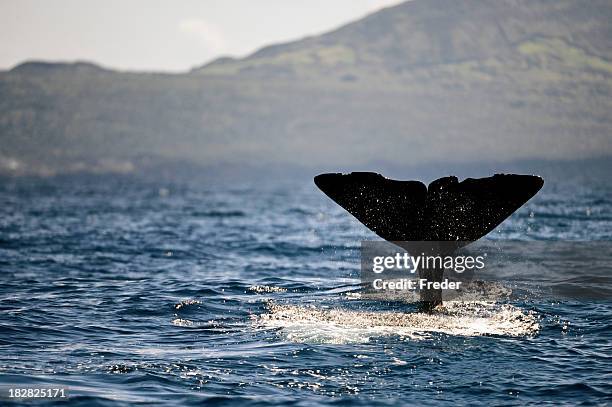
(445, 211)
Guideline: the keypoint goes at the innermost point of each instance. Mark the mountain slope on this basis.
(434, 32)
(423, 82)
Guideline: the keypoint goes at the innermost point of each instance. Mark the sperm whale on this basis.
(439, 218)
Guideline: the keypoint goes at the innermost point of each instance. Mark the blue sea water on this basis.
(132, 292)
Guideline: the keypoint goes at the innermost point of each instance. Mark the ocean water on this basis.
(131, 292)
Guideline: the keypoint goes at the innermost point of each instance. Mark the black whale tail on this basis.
(447, 210)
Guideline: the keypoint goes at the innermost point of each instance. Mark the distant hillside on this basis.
(428, 33)
(424, 82)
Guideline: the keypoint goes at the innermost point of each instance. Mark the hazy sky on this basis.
(162, 35)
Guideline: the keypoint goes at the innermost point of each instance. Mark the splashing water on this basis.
(310, 324)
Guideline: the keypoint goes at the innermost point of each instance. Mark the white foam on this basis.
(182, 322)
(259, 289)
(309, 324)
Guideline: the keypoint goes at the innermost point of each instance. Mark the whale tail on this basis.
(445, 211)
